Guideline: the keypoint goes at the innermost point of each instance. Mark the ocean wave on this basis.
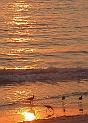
(11, 76)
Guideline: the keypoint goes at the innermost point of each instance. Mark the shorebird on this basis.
(80, 98)
(48, 107)
(30, 99)
(63, 104)
(80, 105)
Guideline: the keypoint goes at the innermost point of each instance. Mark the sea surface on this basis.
(43, 52)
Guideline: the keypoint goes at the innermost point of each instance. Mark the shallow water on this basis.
(13, 100)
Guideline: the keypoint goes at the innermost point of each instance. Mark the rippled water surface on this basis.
(43, 33)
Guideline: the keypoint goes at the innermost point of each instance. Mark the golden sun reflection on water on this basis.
(40, 113)
(28, 116)
(34, 25)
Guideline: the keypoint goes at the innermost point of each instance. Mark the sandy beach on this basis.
(64, 119)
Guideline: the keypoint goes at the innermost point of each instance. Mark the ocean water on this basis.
(43, 33)
(43, 51)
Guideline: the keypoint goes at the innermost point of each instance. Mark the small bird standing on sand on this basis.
(63, 104)
(30, 99)
(80, 105)
(49, 108)
(80, 98)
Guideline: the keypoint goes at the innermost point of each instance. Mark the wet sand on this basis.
(64, 119)
(44, 116)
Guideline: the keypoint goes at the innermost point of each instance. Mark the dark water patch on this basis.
(84, 52)
(51, 75)
(6, 59)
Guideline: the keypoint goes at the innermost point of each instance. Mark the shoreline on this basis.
(62, 119)
(70, 116)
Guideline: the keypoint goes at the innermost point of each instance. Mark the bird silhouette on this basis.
(50, 109)
(30, 99)
(80, 98)
(63, 104)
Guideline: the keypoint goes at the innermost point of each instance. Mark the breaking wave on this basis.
(11, 76)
